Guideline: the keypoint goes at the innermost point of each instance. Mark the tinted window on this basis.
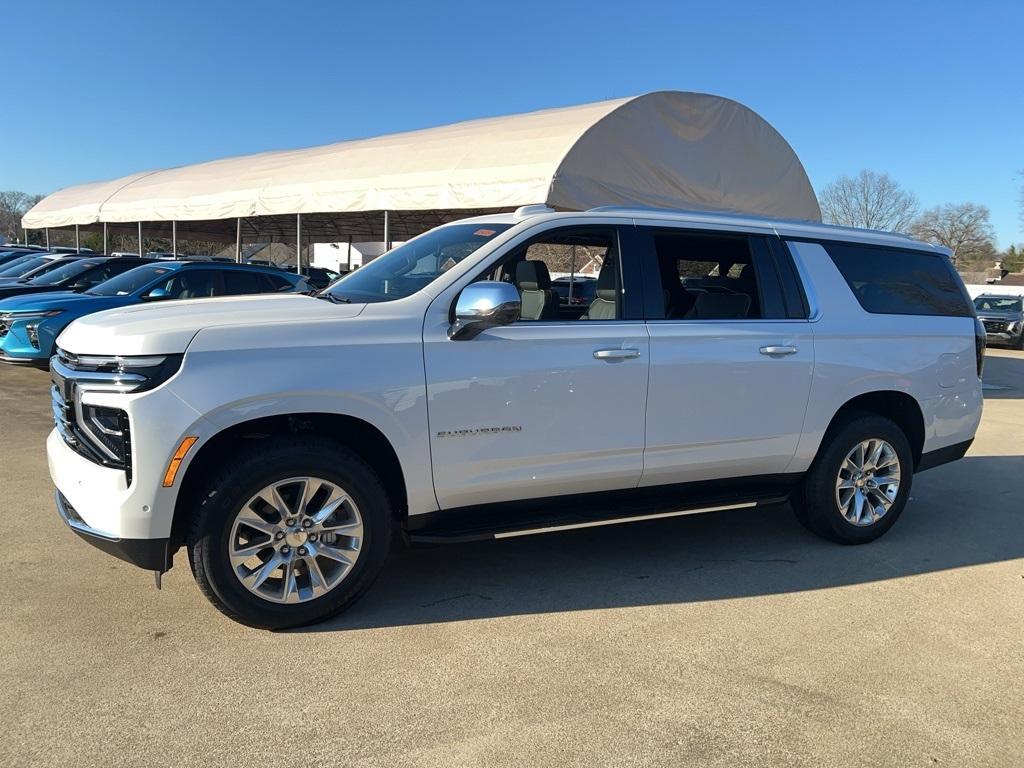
(705, 276)
(190, 284)
(277, 283)
(237, 283)
(896, 281)
(63, 273)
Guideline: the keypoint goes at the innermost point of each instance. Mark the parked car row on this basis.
(41, 293)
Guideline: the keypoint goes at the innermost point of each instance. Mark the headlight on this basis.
(1012, 327)
(32, 315)
(116, 373)
(108, 428)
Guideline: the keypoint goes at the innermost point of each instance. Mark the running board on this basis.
(617, 520)
(528, 518)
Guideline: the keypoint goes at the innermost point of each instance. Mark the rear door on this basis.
(543, 407)
(731, 355)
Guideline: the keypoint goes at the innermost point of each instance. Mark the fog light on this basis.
(33, 334)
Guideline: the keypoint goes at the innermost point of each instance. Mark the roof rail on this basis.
(525, 211)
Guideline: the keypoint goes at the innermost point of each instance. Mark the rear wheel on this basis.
(292, 533)
(859, 482)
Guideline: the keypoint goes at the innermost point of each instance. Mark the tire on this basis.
(1019, 344)
(817, 505)
(235, 518)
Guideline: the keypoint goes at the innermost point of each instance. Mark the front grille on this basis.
(995, 326)
(63, 417)
(5, 325)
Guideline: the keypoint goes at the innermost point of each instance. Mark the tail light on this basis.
(979, 344)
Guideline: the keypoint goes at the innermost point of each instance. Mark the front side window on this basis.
(410, 267)
(897, 281)
(189, 284)
(572, 273)
(706, 276)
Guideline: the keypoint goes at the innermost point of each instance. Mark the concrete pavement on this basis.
(721, 640)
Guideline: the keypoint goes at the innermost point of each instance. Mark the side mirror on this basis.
(157, 294)
(484, 305)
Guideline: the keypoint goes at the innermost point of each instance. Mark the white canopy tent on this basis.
(666, 149)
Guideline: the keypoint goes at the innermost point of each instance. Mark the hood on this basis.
(52, 300)
(167, 327)
(994, 314)
(7, 291)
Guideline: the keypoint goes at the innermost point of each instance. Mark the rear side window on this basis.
(896, 281)
(241, 283)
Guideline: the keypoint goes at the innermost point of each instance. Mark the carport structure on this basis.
(667, 149)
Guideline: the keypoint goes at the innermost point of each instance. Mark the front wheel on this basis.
(860, 481)
(293, 532)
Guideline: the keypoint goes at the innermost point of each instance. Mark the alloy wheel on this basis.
(868, 482)
(295, 540)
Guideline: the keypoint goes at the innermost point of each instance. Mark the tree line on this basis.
(877, 201)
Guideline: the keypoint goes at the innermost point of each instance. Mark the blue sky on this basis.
(931, 92)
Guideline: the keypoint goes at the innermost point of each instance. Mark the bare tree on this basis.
(13, 206)
(964, 228)
(870, 199)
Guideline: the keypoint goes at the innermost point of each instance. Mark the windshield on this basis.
(20, 266)
(997, 304)
(62, 272)
(128, 282)
(408, 268)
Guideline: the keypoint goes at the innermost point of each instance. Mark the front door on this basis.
(553, 404)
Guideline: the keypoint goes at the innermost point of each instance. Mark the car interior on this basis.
(578, 257)
(706, 277)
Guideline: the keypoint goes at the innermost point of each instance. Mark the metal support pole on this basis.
(141, 254)
(105, 238)
(348, 259)
(78, 241)
(47, 230)
(298, 243)
(174, 239)
(238, 240)
(387, 233)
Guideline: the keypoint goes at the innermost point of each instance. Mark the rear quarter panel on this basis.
(930, 358)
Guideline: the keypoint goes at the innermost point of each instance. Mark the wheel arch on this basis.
(899, 407)
(354, 433)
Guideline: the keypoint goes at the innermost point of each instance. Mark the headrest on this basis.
(532, 276)
(607, 284)
(721, 306)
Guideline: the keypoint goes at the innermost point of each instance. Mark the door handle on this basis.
(778, 350)
(617, 354)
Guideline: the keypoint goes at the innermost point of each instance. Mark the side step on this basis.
(547, 516)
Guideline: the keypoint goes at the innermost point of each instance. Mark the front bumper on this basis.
(17, 347)
(151, 554)
(1003, 338)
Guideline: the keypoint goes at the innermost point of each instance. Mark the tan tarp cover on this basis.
(667, 149)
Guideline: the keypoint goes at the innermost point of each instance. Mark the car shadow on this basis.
(1003, 378)
(716, 556)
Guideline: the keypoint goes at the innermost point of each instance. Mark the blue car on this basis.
(30, 325)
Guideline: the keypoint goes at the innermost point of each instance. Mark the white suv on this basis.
(445, 392)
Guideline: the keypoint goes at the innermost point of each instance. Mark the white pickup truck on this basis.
(446, 392)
